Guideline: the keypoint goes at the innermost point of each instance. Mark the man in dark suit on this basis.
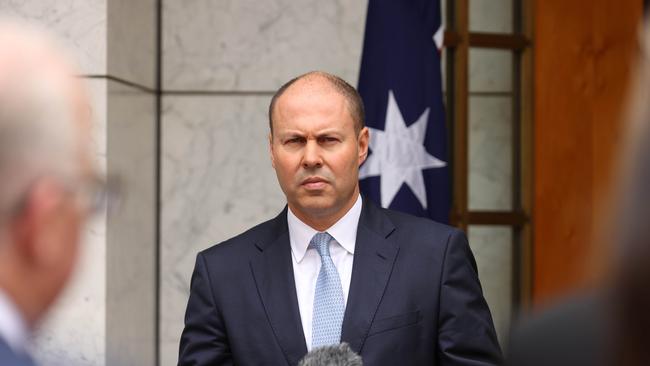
(333, 267)
(47, 175)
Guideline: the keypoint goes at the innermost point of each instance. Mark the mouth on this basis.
(314, 183)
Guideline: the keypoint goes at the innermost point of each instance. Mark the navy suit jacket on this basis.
(9, 358)
(414, 298)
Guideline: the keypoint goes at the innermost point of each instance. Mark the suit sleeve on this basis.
(204, 340)
(466, 334)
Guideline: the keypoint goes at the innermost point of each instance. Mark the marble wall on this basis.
(233, 45)
(131, 33)
(79, 24)
(131, 251)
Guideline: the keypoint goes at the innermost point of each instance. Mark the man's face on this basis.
(315, 150)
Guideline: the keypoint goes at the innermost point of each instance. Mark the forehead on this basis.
(312, 105)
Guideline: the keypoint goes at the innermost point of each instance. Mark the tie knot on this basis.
(320, 242)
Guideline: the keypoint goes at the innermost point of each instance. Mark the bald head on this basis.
(318, 81)
(44, 111)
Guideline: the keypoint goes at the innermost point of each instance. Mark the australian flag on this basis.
(400, 83)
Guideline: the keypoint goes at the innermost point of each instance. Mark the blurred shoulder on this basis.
(569, 333)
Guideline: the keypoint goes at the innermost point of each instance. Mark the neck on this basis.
(321, 220)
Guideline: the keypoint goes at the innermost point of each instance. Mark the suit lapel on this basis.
(273, 273)
(374, 256)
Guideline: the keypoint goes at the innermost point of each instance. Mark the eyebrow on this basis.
(290, 134)
(328, 132)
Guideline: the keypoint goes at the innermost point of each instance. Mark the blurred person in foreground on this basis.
(608, 326)
(332, 267)
(46, 180)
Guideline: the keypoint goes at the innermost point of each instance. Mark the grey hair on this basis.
(37, 117)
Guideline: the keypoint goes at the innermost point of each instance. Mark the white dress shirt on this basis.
(307, 262)
(13, 328)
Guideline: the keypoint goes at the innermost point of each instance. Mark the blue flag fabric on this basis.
(400, 83)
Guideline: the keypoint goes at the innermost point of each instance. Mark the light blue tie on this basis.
(328, 297)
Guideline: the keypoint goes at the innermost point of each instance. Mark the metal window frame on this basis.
(458, 40)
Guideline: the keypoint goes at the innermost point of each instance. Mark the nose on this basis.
(312, 157)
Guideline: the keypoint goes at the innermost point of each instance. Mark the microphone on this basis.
(334, 355)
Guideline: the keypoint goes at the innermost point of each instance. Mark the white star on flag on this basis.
(398, 155)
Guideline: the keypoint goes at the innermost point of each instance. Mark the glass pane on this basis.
(490, 70)
(494, 16)
(443, 12)
(492, 248)
(490, 152)
(443, 68)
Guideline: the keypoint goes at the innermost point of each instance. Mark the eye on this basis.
(294, 140)
(326, 140)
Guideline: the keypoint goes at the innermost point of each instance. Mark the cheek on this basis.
(287, 163)
(73, 236)
(67, 246)
(285, 169)
(348, 163)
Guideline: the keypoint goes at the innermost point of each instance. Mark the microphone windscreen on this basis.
(335, 355)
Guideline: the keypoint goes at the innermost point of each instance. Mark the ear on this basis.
(363, 141)
(271, 149)
(36, 224)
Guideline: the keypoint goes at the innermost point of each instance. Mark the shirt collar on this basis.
(13, 328)
(343, 231)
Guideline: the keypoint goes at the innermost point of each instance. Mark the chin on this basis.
(316, 205)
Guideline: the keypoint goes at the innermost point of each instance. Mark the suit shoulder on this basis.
(417, 224)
